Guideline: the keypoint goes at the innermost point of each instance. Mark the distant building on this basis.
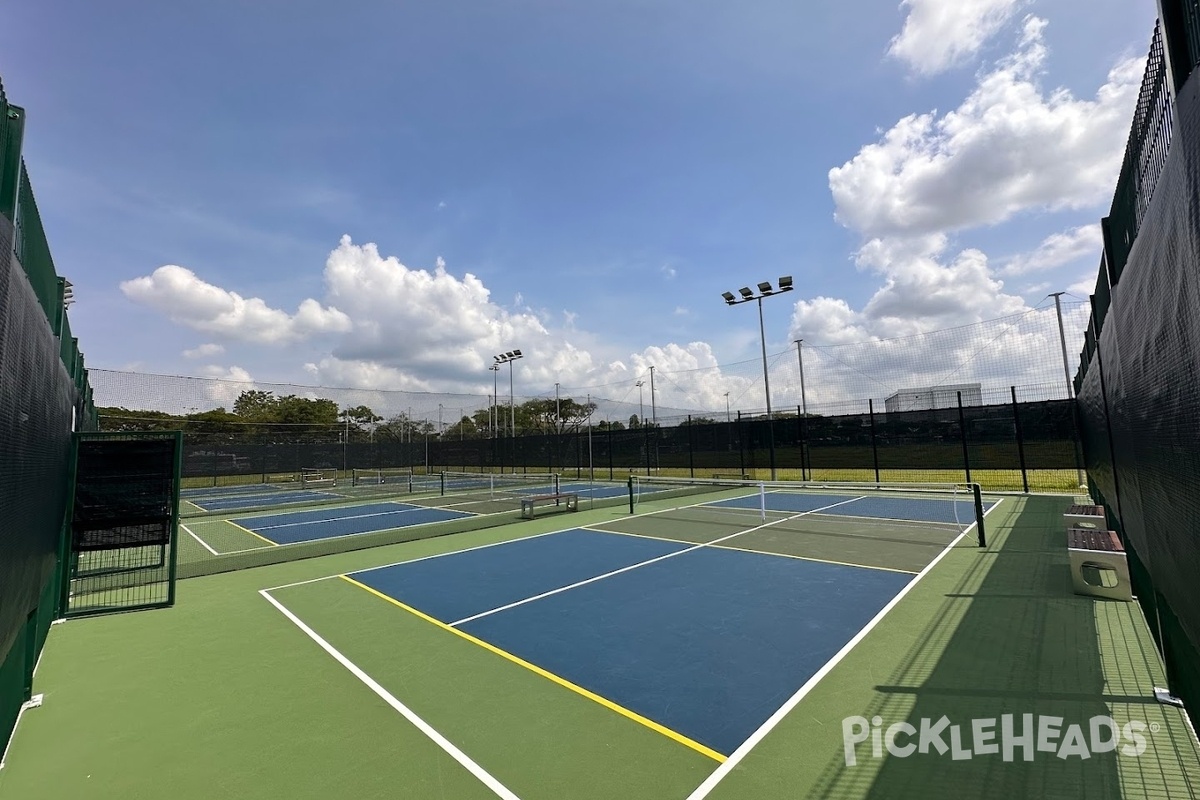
(932, 397)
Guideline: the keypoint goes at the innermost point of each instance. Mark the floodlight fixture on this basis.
(508, 358)
(747, 294)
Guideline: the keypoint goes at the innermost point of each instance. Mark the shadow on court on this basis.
(1012, 638)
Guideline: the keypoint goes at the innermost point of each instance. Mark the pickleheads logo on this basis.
(1027, 735)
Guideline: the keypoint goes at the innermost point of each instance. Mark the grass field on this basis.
(602, 655)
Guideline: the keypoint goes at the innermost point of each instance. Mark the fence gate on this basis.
(124, 513)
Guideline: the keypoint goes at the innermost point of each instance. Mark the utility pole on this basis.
(1062, 339)
(653, 407)
(803, 399)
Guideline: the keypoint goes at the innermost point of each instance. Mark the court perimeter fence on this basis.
(1138, 384)
(1003, 440)
(44, 395)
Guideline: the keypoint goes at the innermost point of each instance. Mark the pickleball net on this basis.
(925, 511)
(497, 486)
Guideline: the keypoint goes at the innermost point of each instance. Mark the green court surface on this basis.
(325, 689)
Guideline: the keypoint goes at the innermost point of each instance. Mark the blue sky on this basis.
(265, 190)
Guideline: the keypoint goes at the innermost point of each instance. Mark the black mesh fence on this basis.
(43, 396)
(1022, 445)
(1138, 383)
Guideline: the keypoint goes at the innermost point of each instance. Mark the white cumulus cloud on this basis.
(204, 351)
(939, 34)
(1058, 249)
(1010, 146)
(183, 297)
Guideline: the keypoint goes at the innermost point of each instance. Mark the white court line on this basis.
(647, 562)
(414, 560)
(499, 789)
(203, 543)
(758, 552)
(736, 757)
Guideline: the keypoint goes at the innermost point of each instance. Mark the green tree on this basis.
(360, 420)
(254, 405)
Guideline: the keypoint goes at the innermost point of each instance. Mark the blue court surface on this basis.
(708, 642)
(227, 500)
(325, 523)
(916, 509)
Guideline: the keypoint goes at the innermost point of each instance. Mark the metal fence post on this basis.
(1020, 439)
(741, 446)
(874, 441)
(691, 449)
(962, 428)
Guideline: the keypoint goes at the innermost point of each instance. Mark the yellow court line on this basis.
(566, 684)
(252, 533)
(759, 552)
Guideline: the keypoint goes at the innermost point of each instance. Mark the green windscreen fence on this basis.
(44, 396)
(124, 513)
(1138, 384)
(37, 404)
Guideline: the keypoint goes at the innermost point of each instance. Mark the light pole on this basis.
(727, 417)
(641, 406)
(653, 405)
(508, 358)
(803, 397)
(439, 420)
(492, 415)
(557, 410)
(765, 290)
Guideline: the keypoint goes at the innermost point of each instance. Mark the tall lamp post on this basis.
(764, 290)
(653, 405)
(492, 415)
(509, 358)
(641, 406)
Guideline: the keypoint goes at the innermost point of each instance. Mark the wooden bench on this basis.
(1098, 564)
(528, 504)
(1084, 516)
(728, 476)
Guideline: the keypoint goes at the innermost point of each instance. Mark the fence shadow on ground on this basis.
(1011, 638)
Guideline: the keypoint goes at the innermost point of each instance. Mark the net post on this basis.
(1020, 439)
(630, 484)
(978, 493)
(762, 501)
(442, 479)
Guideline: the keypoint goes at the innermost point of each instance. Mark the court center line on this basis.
(645, 563)
(498, 788)
(203, 543)
(547, 674)
(757, 552)
(702, 791)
